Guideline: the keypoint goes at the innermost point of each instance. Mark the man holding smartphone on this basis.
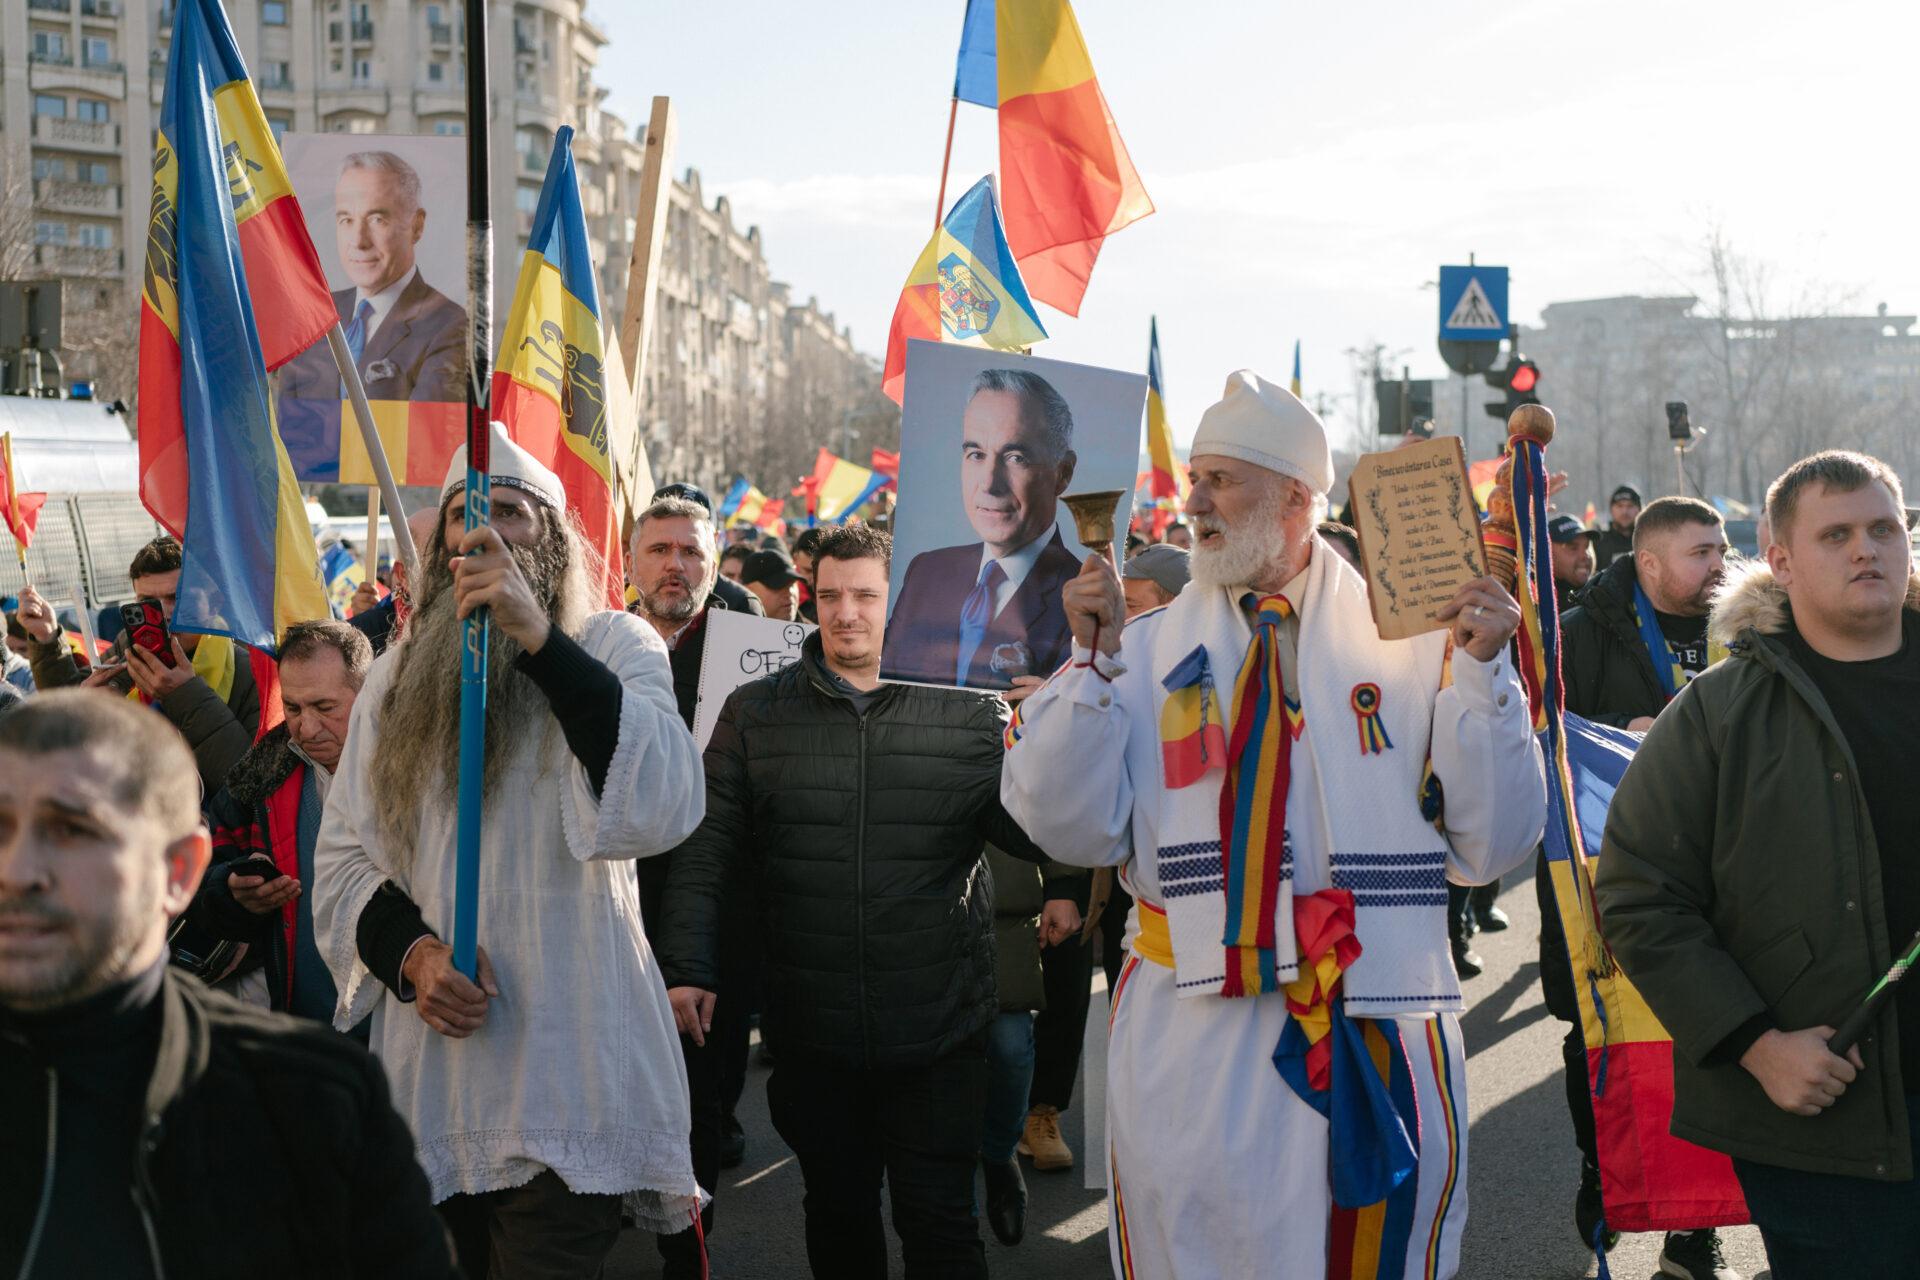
(207, 686)
(266, 822)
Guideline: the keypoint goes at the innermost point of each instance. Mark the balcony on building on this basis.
(78, 135)
(363, 33)
(51, 6)
(102, 9)
(60, 196)
(440, 33)
(79, 260)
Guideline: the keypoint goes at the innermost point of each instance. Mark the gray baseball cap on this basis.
(1163, 565)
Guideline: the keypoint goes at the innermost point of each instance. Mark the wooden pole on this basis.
(376, 452)
(946, 160)
(628, 442)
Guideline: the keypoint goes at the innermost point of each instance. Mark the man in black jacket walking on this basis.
(860, 811)
(672, 565)
(153, 1093)
(1638, 635)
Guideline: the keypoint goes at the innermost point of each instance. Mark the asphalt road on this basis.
(1522, 1165)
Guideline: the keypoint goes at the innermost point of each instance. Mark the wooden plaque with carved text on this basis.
(1419, 533)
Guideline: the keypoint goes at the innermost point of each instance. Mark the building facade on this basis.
(80, 92)
(1760, 393)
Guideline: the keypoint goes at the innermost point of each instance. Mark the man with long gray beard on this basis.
(543, 1094)
(1286, 1084)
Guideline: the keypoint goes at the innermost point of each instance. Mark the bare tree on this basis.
(16, 211)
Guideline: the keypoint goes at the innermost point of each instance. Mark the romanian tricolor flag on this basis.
(843, 486)
(548, 384)
(753, 508)
(1294, 386)
(289, 306)
(964, 288)
(1193, 735)
(1650, 1180)
(20, 512)
(1167, 481)
(326, 447)
(1067, 178)
(730, 501)
(1481, 476)
(232, 288)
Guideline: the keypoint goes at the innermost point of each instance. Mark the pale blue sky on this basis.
(1313, 164)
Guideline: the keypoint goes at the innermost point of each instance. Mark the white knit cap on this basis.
(1259, 422)
(511, 467)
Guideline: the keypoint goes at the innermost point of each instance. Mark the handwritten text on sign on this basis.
(1419, 533)
(741, 647)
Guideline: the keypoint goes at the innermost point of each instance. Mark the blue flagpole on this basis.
(476, 631)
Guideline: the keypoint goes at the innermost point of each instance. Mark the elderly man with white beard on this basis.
(1287, 795)
(552, 1089)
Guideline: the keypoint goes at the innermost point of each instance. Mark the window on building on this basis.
(92, 171)
(434, 17)
(96, 235)
(526, 199)
(93, 110)
(273, 13)
(362, 13)
(49, 233)
(436, 71)
(279, 125)
(45, 168)
(50, 46)
(276, 75)
(95, 51)
(337, 65)
(449, 128)
(362, 70)
(47, 104)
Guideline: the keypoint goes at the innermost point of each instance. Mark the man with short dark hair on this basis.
(210, 690)
(1640, 631)
(129, 1094)
(1636, 637)
(732, 561)
(1758, 873)
(860, 810)
(1180, 534)
(1615, 538)
(268, 816)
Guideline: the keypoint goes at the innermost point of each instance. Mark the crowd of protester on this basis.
(275, 828)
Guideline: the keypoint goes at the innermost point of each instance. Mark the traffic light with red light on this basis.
(1520, 380)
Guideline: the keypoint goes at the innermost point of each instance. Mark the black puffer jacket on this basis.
(863, 834)
(1608, 673)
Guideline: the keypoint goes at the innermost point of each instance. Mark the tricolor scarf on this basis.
(1253, 806)
(1353, 1071)
(1225, 862)
(1666, 665)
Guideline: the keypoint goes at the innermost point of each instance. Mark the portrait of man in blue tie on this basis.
(980, 613)
(407, 338)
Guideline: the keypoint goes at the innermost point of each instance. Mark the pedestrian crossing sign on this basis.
(1473, 304)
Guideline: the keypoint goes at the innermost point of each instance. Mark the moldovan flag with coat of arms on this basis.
(232, 288)
(965, 288)
(549, 386)
(1065, 175)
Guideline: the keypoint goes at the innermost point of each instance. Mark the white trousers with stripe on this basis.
(1218, 1169)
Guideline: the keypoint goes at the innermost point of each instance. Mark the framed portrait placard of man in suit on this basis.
(387, 214)
(983, 546)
